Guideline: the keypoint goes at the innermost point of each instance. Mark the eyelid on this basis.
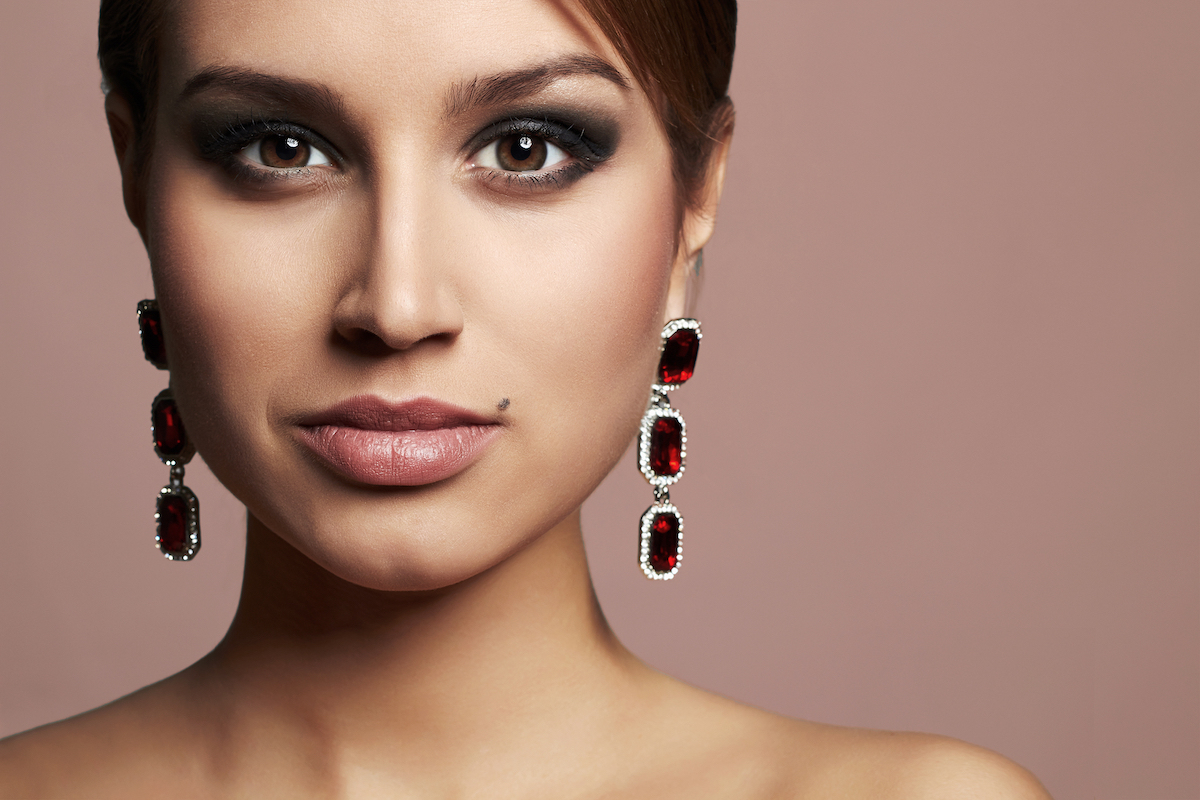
(565, 136)
(234, 137)
(248, 152)
(482, 155)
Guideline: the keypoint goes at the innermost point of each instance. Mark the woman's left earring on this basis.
(662, 449)
(177, 510)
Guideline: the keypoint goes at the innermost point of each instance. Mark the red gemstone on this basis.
(170, 439)
(172, 524)
(664, 542)
(678, 360)
(666, 446)
(150, 325)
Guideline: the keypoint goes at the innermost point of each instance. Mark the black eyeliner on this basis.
(593, 141)
(218, 138)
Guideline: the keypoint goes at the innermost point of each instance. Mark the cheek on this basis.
(583, 293)
(239, 298)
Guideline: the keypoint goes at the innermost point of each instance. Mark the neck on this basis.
(429, 674)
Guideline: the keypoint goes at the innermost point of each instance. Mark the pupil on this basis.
(287, 148)
(521, 152)
(522, 148)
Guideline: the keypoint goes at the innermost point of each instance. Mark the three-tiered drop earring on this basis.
(177, 510)
(662, 448)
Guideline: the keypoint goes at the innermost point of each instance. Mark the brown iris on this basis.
(520, 152)
(283, 151)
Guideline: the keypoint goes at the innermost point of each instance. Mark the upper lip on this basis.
(374, 413)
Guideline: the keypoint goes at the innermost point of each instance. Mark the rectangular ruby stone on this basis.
(678, 360)
(169, 436)
(150, 327)
(664, 542)
(666, 446)
(172, 524)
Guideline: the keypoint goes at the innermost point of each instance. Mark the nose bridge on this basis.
(397, 208)
(401, 292)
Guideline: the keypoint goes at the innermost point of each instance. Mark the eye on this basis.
(283, 151)
(520, 152)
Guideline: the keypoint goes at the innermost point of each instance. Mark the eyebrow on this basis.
(506, 87)
(268, 89)
(461, 98)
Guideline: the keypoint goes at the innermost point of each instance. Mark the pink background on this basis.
(944, 437)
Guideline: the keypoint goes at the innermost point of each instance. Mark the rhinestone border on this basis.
(652, 413)
(667, 332)
(193, 522)
(644, 555)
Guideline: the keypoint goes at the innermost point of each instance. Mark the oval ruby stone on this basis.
(664, 542)
(678, 360)
(666, 446)
(172, 524)
(170, 439)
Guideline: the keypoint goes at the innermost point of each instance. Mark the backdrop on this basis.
(944, 440)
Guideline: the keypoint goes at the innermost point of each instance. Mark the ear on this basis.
(698, 226)
(125, 144)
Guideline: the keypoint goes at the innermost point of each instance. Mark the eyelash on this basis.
(225, 145)
(586, 154)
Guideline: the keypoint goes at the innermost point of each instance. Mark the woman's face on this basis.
(412, 259)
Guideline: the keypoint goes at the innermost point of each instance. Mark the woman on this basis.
(413, 265)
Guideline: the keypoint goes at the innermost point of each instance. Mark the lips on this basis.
(369, 440)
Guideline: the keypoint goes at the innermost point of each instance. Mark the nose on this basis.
(398, 289)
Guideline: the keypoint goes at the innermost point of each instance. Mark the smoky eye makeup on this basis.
(519, 150)
(541, 148)
(586, 138)
(257, 147)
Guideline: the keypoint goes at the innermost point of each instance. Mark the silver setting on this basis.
(644, 557)
(189, 449)
(657, 411)
(145, 308)
(176, 489)
(667, 332)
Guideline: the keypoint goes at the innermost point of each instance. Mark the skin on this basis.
(438, 641)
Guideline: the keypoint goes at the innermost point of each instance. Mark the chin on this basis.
(400, 552)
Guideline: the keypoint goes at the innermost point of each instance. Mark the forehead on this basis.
(378, 49)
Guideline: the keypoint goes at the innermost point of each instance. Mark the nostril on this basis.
(365, 342)
(360, 340)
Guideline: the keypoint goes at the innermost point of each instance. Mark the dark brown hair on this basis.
(681, 51)
(129, 32)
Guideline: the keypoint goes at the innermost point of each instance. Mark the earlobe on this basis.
(125, 145)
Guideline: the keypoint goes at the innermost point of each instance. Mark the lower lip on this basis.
(398, 458)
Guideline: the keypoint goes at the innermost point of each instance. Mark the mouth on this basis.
(414, 443)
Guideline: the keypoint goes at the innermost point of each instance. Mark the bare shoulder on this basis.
(885, 765)
(97, 754)
(750, 753)
(45, 761)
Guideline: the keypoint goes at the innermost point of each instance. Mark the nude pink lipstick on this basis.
(413, 443)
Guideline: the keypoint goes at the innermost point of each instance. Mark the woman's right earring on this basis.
(662, 449)
(177, 509)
